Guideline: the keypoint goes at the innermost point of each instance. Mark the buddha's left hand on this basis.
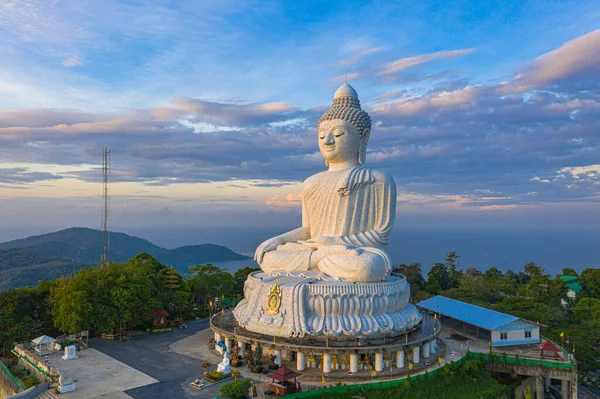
(316, 242)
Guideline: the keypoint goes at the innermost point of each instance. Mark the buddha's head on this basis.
(344, 129)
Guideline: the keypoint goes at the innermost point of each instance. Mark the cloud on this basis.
(290, 201)
(575, 57)
(402, 64)
(360, 55)
(73, 61)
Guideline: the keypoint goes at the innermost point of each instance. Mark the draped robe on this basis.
(358, 207)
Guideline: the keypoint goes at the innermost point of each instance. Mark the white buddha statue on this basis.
(348, 210)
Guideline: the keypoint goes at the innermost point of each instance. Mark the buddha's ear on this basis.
(362, 148)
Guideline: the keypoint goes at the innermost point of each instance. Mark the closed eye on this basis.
(339, 134)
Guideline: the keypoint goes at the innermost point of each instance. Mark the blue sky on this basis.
(487, 114)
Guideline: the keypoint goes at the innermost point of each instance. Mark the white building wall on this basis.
(515, 334)
(495, 335)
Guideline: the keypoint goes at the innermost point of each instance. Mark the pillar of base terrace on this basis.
(354, 362)
(426, 350)
(327, 363)
(539, 387)
(378, 362)
(300, 361)
(228, 344)
(416, 354)
(400, 359)
(565, 389)
(242, 346)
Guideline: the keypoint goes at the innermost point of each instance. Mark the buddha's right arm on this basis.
(301, 233)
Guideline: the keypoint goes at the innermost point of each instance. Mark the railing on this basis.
(35, 361)
(16, 383)
(523, 361)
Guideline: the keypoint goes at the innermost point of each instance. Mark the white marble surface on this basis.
(314, 306)
(333, 272)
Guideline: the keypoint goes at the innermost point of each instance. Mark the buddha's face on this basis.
(339, 141)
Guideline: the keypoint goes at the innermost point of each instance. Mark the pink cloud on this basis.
(576, 56)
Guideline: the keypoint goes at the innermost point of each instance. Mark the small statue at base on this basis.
(223, 367)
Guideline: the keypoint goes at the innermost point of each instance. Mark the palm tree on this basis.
(206, 365)
(235, 374)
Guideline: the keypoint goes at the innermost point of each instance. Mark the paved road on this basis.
(150, 354)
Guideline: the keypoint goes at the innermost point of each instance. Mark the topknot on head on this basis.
(346, 106)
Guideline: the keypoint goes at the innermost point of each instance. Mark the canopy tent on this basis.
(43, 345)
(549, 346)
(282, 375)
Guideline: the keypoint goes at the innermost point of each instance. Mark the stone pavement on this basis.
(99, 376)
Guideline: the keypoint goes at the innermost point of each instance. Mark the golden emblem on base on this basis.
(274, 299)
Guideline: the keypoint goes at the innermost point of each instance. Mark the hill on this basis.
(55, 254)
(20, 268)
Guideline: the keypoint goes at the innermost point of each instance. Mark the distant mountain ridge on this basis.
(71, 249)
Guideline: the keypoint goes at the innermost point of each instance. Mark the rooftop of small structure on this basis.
(472, 314)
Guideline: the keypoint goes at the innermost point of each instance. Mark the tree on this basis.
(209, 281)
(239, 278)
(414, 275)
(438, 278)
(492, 274)
(237, 389)
(590, 283)
(586, 309)
(453, 264)
(567, 271)
(235, 374)
(473, 272)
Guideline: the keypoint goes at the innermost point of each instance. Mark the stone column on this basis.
(426, 350)
(565, 389)
(277, 353)
(217, 337)
(242, 346)
(432, 348)
(354, 362)
(327, 362)
(547, 382)
(539, 387)
(574, 387)
(228, 344)
(300, 361)
(400, 359)
(416, 354)
(378, 362)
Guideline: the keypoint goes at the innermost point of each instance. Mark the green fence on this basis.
(32, 363)
(6, 371)
(420, 377)
(369, 386)
(229, 302)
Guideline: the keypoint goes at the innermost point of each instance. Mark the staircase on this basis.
(47, 394)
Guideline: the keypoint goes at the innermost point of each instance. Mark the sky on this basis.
(487, 114)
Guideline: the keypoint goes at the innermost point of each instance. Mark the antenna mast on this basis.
(105, 200)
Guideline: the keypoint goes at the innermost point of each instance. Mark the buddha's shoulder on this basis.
(309, 181)
(382, 176)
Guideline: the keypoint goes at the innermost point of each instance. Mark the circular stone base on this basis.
(299, 305)
(226, 327)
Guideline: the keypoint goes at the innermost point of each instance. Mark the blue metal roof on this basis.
(472, 314)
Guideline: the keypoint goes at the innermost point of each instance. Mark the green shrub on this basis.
(237, 389)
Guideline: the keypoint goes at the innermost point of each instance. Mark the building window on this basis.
(527, 334)
(503, 335)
